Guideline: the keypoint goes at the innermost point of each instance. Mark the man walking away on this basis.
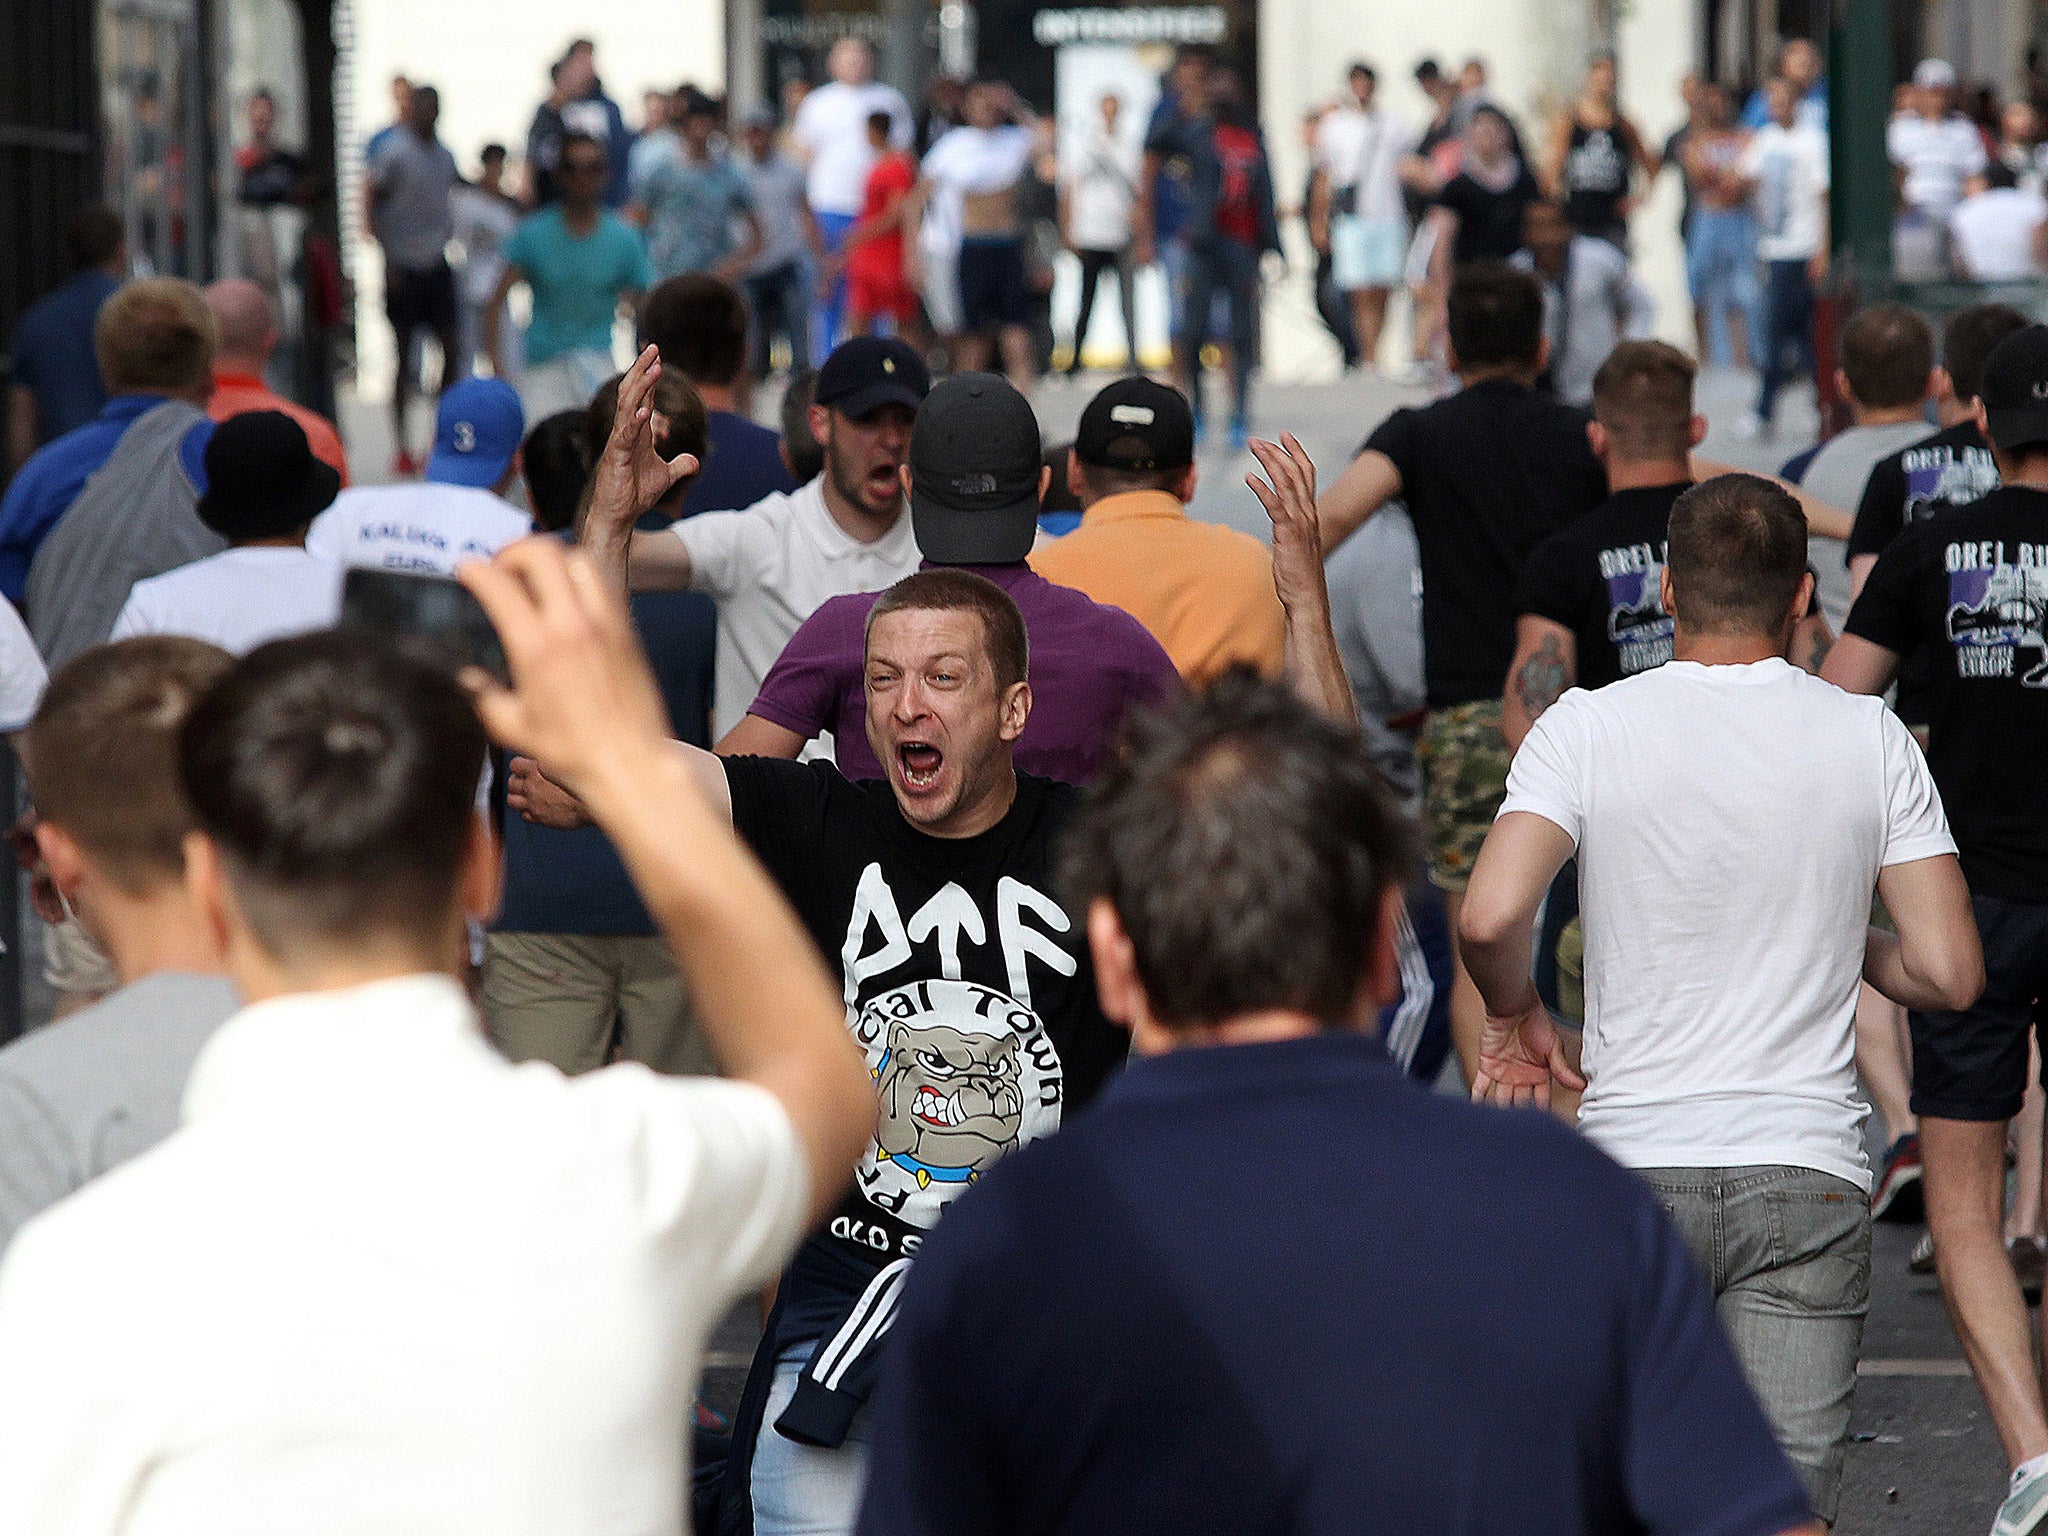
(580, 262)
(1966, 587)
(1359, 148)
(247, 323)
(1720, 1056)
(1131, 1373)
(1204, 591)
(539, 1260)
(1786, 167)
(412, 213)
(55, 385)
(104, 1084)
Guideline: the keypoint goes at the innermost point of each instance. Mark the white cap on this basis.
(1934, 75)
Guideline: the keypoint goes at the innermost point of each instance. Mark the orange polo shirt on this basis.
(1203, 590)
(236, 393)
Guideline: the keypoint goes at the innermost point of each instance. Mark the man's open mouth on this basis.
(920, 762)
(883, 483)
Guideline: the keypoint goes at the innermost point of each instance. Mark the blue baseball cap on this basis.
(477, 431)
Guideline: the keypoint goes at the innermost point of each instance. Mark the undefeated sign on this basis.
(1160, 24)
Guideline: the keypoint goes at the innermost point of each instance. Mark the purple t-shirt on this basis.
(1089, 664)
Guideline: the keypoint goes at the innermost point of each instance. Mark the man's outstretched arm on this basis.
(1313, 663)
(583, 700)
(1368, 483)
(631, 477)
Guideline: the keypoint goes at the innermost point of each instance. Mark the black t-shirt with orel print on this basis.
(967, 985)
(1600, 577)
(1969, 588)
(1486, 475)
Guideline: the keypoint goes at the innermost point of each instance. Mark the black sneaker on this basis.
(1899, 1196)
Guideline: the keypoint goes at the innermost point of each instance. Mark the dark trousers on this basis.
(1229, 267)
(781, 303)
(1335, 310)
(1788, 330)
(1093, 265)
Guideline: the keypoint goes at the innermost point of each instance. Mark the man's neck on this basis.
(260, 977)
(717, 397)
(1263, 1028)
(854, 519)
(238, 368)
(1951, 412)
(2030, 473)
(1517, 373)
(158, 931)
(1719, 650)
(580, 218)
(282, 541)
(1644, 474)
(1886, 415)
(972, 821)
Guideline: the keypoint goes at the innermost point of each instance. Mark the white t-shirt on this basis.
(1730, 822)
(381, 1279)
(1364, 150)
(1936, 157)
(237, 599)
(1994, 234)
(771, 566)
(22, 673)
(1102, 192)
(832, 128)
(1790, 167)
(418, 527)
(969, 161)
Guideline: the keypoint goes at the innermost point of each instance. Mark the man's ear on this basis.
(206, 884)
(1117, 986)
(64, 859)
(1382, 980)
(1842, 386)
(1184, 488)
(1598, 439)
(1696, 432)
(1941, 385)
(481, 882)
(821, 423)
(1542, 353)
(1013, 711)
(903, 475)
(1077, 485)
(1665, 595)
(1044, 482)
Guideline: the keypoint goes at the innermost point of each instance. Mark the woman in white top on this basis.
(1098, 196)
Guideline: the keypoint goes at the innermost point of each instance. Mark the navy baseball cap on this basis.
(476, 433)
(869, 372)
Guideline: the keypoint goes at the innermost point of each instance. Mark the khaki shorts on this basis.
(1464, 761)
(73, 964)
(560, 997)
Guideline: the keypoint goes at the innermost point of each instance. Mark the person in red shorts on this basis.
(875, 283)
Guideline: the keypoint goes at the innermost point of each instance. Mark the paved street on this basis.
(1925, 1460)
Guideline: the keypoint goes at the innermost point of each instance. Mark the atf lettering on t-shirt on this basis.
(1602, 578)
(967, 987)
(1968, 587)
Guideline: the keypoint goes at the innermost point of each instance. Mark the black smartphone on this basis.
(437, 612)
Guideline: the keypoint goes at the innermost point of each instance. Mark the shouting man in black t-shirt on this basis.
(966, 980)
(1969, 587)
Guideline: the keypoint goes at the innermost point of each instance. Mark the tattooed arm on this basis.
(1546, 663)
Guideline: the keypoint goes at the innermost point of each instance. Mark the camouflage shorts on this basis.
(1464, 760)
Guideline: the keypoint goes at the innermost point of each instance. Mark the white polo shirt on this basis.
(424, 526)
(384, 1281)
(771, 566)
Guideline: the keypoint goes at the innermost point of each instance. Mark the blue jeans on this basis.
(1787, 1253)
(805, 1490)
(1788, 328)
(781, 302)
(1229, 268)
(832, 228)
(1720, 269)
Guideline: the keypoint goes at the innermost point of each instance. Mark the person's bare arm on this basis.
(1860, 567)
(1368, 483)
(1857, 665)
(1935, 960)
(583, 699)
(21, 425)
(1313, 664)
(1829, 522)
(632, 476)
(493, 318)
(1520, 1055)
(1546, 663)
(755, 737)
(1556, 149)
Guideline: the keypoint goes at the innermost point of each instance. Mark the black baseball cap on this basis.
(2014, 389)
(262, 480)
(869, 372)
(975, 460)
(1137, 424)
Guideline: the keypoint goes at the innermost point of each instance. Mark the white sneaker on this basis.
(2025, 1508)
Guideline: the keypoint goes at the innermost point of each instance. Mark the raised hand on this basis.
(1520, 1056)
(583, 702)
(1290, 501)
(631, 473)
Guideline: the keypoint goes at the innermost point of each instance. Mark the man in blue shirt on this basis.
(698, 323)
(1268, 1285)
(155, 341)
(56, 386)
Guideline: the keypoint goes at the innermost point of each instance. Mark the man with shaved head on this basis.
(247, 322)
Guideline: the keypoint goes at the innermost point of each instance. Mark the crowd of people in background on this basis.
(928, 878)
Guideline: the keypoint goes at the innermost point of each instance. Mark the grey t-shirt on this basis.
(93, 1090)
(1837, 475)
(412, 207)
(1375, 579)
(777, 187)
